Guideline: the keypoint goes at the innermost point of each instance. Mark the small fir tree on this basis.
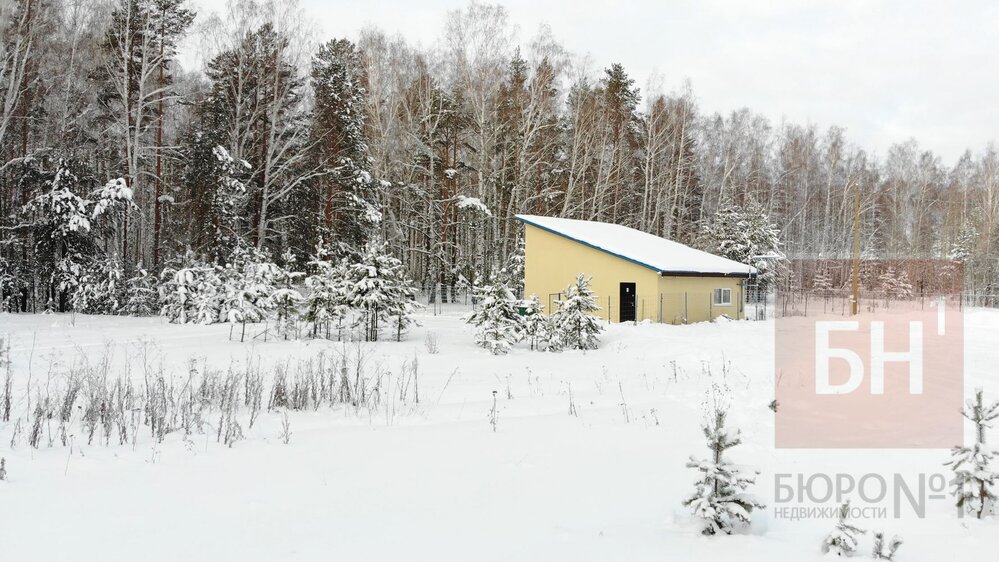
(720, 500)
(285, 298)
(845, 538)
(208, 297)
(573, 325)
(498, 322)
(327, 298)
(975, 480)
(379, 290)
(536, 325)
(822, 284)
(177, 287)
(141, 298)
(885, 550)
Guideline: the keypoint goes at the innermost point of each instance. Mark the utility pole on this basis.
(855, 305)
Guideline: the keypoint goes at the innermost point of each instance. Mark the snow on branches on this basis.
(573, 325)
(720, 500)
(975, 478)
(498, 322)
(844, 539)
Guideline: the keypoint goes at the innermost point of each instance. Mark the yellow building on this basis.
(636, 276)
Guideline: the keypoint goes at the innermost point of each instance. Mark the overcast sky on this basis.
(887, 71)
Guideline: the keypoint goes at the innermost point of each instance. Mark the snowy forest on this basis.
(286, 152)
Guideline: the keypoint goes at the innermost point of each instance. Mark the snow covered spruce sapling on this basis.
(286, 299)
(498, 322)
(720, 500)
(536, 326)
(573, 325)
(379, 290)
(975, 479)
(327, 299)
(248, 289)
(845, 538)
(141, 298)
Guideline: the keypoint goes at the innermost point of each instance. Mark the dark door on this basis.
(627, 300)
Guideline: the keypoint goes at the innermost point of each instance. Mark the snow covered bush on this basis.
(141, 298)
(285, 298)
(975, 480)
(379, 291)
(99, 288)
(895, 285)
(573, 325)
(720, 500)
(883, 550)
(741, 233)
(327, 298)
(822, 284)
(175, 288)
(498, 322)
(208, 294)
(845, 538)
(536, 326)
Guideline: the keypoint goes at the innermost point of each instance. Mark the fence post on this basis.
(660, 308)
(686, 315)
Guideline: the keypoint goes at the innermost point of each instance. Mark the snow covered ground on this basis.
(432, 481)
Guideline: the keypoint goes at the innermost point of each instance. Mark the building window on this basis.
(723, 297)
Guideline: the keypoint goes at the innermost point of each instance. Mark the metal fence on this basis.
(448, 301)
(838, 302)
(683, 307)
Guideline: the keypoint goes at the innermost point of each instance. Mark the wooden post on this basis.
(855, 306)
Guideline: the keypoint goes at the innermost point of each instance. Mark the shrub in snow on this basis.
(248, 289)
(573, 325)
(141, 298)
(741, 232)
(286, 299)
(536, 325)
(895, 285)
(822, 284)
(327, 299)
(3, 469)
(99, 287)
(883, 550)
(379, 290)
(208, 295)
(498, 322)
(720, 500)
(845, 537)
(975, 480)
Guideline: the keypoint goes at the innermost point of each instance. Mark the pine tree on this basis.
(286, 298)
(743, 233)
(141, 298)
(720, 499)
(497, 321)
(822, 283)
(379, 290)
(98, 289)
(176, 290)
(573, 325)
(844, 539)
(536, 326)
(327, 298)
(248, 288)
(347, 189)
(976, 482)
